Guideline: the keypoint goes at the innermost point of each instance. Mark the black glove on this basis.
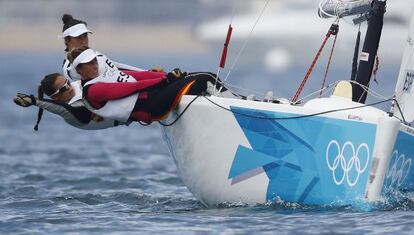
(175, 75)
(24, 100)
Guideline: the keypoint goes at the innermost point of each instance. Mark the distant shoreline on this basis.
(118, 38)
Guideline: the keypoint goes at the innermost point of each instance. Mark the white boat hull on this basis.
(252, 154)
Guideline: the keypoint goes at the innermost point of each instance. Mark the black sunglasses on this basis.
(61, 90)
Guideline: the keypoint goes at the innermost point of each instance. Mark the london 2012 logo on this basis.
(399, 170)
(347, 163)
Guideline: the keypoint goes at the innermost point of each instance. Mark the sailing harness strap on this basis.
(333, 30)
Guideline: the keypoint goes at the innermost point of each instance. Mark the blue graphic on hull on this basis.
(400, 175)
(312, 160)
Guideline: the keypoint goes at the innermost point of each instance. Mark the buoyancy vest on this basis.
(120, 109)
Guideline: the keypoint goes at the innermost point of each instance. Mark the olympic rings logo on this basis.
(399, 171)
(342, 168)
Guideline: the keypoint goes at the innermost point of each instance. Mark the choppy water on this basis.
(122, 181)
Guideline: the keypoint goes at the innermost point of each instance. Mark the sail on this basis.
(329, 9)
(404, 91)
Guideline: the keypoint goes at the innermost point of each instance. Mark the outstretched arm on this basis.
(78, 117)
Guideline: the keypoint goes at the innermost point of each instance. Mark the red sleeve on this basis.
(99, 93)
(144, 75)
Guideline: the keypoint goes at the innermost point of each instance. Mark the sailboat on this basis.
(334, 149)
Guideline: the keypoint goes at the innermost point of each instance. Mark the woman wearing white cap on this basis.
(75, 35)
(66, 101)
(146, 97)
(67, 96)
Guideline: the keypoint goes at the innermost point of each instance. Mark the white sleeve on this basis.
(74, 115)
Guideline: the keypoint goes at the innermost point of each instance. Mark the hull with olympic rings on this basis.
(240, 151)
(400, 174)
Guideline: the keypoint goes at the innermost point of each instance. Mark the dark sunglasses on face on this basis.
(62, 89)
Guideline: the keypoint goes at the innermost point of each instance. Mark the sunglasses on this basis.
(61, 90)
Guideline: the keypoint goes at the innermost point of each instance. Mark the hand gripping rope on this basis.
(334, 29)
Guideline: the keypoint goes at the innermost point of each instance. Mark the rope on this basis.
(180, 115)
(333, 30)
(321, 5)
(295, 117)
(376, 68)
(231, 22)
(301, 116)
(323, 91)
(246, 42)
(262, 93)
(332, 85)
(370, 91)
(276, 118)
(400, 110)
(329, 64)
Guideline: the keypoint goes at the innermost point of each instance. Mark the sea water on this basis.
(122, 180)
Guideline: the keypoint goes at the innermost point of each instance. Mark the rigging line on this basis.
(376, 68)
(400, 110)
(338, 7)
(217, 82)
(233, 11)
(332, 85)
(287, 118)
(329, 64)
(324, 90)
(297, 117)
(321, 5)
(333, 30)
(224, 52)
(370, 91)
(245, 43)
(251, 91)
(180, 115)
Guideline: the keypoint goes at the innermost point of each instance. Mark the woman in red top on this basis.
(146, 96)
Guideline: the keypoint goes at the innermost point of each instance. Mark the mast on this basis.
(369, 51)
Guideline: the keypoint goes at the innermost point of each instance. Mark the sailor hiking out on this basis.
(146, 97)
(66, 101)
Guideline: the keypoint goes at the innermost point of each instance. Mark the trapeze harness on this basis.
(74, 112)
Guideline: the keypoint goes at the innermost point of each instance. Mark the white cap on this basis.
(84, 57)
(75, 31)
